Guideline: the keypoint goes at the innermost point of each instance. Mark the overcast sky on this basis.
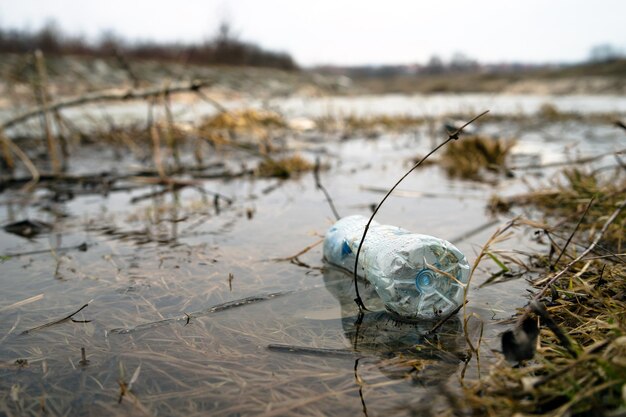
(352, 31)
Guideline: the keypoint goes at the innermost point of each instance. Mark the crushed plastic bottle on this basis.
(398, 263)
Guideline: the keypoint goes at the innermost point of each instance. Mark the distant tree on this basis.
(49, 38)
(435, 65)
(110, 43)
(224, 48)
(461, 62)
(228, 48)
(604, 52)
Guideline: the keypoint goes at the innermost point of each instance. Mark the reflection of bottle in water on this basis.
(402, 266)
(399, 349)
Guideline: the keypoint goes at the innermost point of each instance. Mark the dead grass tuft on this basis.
(470, 157)
(585, 298)
(286, 167)
(566, 199)
(244, 120)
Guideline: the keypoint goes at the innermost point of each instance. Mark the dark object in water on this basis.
(28, 228)
(519, 344)
(69, 317)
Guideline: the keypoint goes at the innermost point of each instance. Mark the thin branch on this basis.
(41, 88)
(565, 341)
(314, 351)
(318, 184)
(359, 381)
(453, 136)
(34, 172)
(446, 318)
(582, 255)
(211, 101)
(466, 235)
(569, 239)
(130, 94)
(302, 252)
(188, 316)
(59, 321)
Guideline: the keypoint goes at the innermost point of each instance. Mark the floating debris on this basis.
(28, 228)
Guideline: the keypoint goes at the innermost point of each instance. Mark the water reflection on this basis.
(400, 348)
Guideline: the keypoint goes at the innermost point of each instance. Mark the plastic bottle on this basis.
(395, 260)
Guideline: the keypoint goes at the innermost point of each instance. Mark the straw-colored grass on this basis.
(285, 167)
(584, 296)
(471, 157)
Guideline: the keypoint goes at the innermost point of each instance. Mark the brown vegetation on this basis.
(580, 361)
(472, 156)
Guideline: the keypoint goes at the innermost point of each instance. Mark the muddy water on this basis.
(155, 268)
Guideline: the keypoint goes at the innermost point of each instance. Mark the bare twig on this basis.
(59, 321)
(566, 342)
(569, 239)
(41, 87)
(302, 252)
(453, 136)
(306, 350)
(212, 101)
(446, 318)
(114, 95)
(319, 186)
(466, 235)
(211, 310)
(548, 282)
(23, 157)
(156, 152)
(169, 130)
(121, 59)
(360, 383)
(498, 236)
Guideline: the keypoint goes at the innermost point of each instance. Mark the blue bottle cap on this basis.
(425, 279)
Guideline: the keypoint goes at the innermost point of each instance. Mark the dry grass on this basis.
(567, 197)
(472, 156)
(285, 167)
(370, 126)
(244, 120)
(586, 299)
(590, 306)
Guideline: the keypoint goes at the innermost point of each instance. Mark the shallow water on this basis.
(434, 105)
(153, 269)
(418, 105)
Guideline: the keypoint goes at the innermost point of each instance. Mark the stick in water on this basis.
(453, 136)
